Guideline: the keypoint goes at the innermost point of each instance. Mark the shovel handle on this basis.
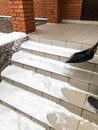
(95, 45)
(93, 48)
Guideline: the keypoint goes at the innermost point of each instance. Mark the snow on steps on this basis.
(52, 51)
(41, 110)
(12, 120)
(47, 113)
(60, 51)
(54, 67)
(55, 90)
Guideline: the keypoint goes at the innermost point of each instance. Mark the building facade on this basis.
(23, 12)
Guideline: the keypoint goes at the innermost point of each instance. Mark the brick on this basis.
(4, 7)
(22, 12)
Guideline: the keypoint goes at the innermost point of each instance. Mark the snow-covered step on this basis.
(59, 51)
(54, 67)
(12, 120)
(55, 52)
(45, 85)
(6, 38)
(47, 113)
(57, 91)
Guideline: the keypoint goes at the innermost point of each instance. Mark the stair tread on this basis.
(10, 119)
(54, 66)
(42, 63)
(55, 50)
(39, 108)
(50, 86)
(42, 83)
(42, 110)
(61, 51)
(31, 104)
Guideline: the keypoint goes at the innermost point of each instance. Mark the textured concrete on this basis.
(69, 32)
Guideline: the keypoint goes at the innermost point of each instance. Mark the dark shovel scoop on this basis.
(83, 56)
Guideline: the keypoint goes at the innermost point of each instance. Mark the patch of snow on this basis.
(61, 51)
(11, 120)
(41, 82)
(47, 64)
(14, 93)
(41, 19)
(4, 16)
(48, 85)
(41, 62)
(40, 108)
(36, 106)
(34, 80)
(9, 37)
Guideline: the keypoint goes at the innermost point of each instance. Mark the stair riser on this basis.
(75, 81)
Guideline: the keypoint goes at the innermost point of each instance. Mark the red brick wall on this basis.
(71, 9)
(4, 8)
(53, 11)
(22, 13)
(40, 8)
(48, 9)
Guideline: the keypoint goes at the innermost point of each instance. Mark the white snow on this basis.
(50, 65)
(60, 51)
(11, 120)
(45, 84)
(4, 16)
(40, 108)
(36, 106)
(9, 37)
(41, 18)
(43, 63)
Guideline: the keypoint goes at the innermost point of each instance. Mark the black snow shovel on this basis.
(83, 56)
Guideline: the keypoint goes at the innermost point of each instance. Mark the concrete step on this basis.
(56, 69)
(73, 44)
(48, 49)
(47, 113)
(60, 92)
(57, 53)
(10, 119)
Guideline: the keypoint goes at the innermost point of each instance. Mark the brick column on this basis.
(54, 11)
(22, 12)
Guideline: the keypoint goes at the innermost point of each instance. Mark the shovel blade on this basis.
(83, 56)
